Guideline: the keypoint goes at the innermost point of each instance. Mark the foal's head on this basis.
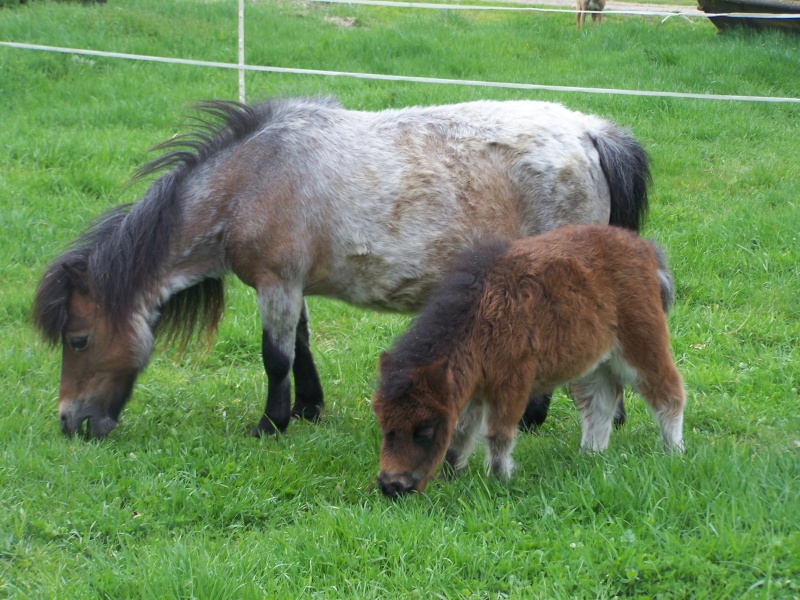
(416, 417)
(100, 358)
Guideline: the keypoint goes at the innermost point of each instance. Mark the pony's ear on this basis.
(439, 377)
(76, 277)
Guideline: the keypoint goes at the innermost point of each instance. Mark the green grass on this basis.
(180, 502)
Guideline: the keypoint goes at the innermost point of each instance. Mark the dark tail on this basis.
(626, 166)
(665, 279)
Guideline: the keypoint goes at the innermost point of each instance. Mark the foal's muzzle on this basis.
(392, 485)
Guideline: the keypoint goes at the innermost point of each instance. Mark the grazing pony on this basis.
(301, 197)
(581, 304)
(594, 6)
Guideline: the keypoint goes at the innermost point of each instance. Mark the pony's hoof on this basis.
(265, 428)
(307, 413)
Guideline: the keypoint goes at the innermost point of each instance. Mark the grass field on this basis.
(180, 502)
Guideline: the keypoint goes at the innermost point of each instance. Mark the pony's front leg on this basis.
(308, 401)
(280, 306)
(535, 412)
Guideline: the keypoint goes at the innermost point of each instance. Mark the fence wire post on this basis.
(241, 51)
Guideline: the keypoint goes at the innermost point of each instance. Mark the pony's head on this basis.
(105, 299)
(100, 358)
(416, 415)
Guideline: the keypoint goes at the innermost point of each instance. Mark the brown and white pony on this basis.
(595, 7)
(584, 305)
(301, 196)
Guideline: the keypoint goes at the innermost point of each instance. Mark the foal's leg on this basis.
(506, 406)
(465, 436)
(662, 389)
(280, 307)
(539, 405)
(307, 387)
(597, 396)
(658, 381)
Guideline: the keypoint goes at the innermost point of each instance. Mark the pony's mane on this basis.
(445, 320)
(126, 247)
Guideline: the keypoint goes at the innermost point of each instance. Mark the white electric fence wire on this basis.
(373, 76)
(645, 13)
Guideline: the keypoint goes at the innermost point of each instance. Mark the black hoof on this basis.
(535, 412)
(265, 427)
(311, 413)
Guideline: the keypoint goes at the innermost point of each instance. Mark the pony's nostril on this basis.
(388, 489)
(392, 489)
(65, 428)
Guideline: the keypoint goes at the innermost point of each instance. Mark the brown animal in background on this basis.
(596, 6)
(580, 304)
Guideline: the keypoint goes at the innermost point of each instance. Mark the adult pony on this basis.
(299, 197)
(580, 304)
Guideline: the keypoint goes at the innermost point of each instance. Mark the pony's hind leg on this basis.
(646, 351)
(597, 396)
(665, 395)
(280, 307)
(308, 401)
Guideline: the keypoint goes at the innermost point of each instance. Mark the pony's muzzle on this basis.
(88, 423)
(394, 485)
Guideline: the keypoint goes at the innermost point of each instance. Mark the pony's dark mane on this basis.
(447, 317)
(126, 247)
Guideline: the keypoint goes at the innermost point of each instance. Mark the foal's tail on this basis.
(664, 278)
(626, 167)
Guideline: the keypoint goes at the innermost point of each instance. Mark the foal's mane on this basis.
(124, 250)
(447, 318)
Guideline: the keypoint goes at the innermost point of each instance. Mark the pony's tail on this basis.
(664, 278)
(626, 166)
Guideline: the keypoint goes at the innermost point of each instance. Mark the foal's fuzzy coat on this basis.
(579, 304)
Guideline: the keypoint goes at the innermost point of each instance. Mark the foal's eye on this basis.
(424, 433)
(79, 343)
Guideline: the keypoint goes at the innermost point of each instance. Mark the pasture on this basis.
(179, 501)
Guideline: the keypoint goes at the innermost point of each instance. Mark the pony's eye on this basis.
(424, 433)
(79, 343)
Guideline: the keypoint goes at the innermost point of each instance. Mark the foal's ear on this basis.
(77, 277)
(439, 376)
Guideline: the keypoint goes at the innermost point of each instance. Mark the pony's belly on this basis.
(396, 294)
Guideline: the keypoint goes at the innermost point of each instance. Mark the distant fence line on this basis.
(640, 13)
(241, 67)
